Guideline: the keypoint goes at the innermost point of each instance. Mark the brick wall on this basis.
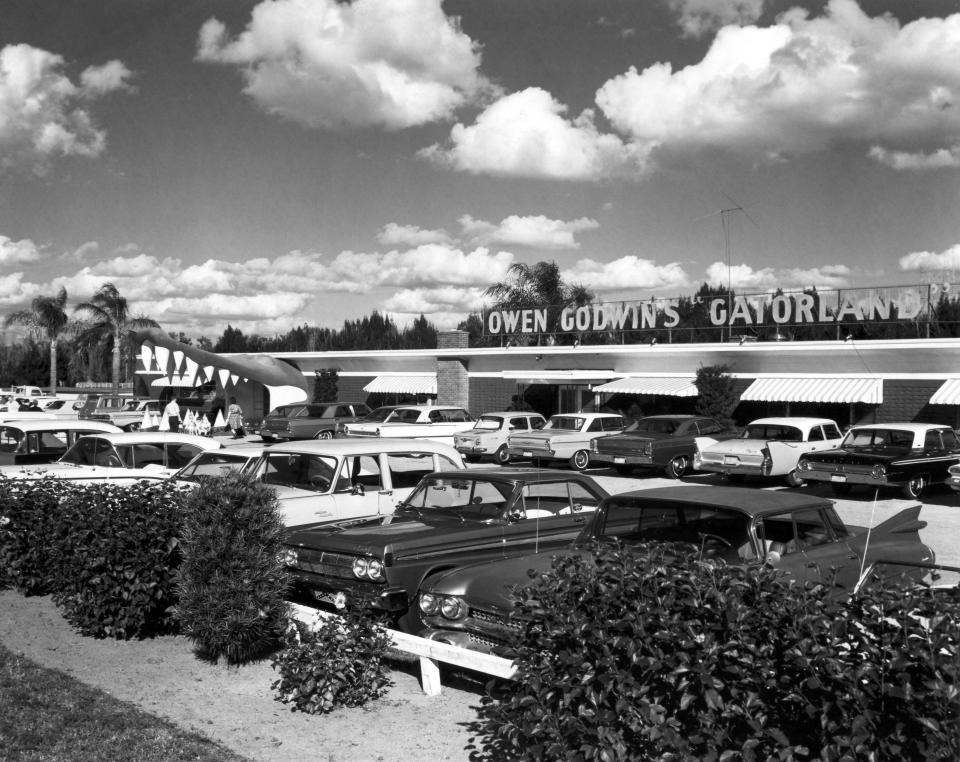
(489, 395)
(350, 388)
(453, 386)
(905, 400)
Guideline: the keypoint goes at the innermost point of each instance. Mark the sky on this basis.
(286, 162)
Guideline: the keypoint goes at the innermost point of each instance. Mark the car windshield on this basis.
(878, 437)
(214, 463)
(775, 431)
(380, 414)
(488, 423)
(92, 451)
(566, 422)
(468, 498)
(653, 426)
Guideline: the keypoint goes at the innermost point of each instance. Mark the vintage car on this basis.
(663, 442)
(767, 447)
(377, 415)
(910, 456)
(437, 422)
(798, 533)
(348, 478)
(565, 437)
(451, 519)
(43, 440)
(123, 458)
(126, 412)
(310, 420)
(488, 437)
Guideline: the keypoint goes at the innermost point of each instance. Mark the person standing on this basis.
(235, 419)
(172, 413)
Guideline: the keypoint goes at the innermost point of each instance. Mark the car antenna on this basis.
(866, 544)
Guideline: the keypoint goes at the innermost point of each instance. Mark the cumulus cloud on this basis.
(801, 85)
(43, 115)
(627, 272)
(525, 134)
(928, 260)
(700, 17)
(429, 265)
(363, 64)
(745, 277)
(537, 231)
(446, 307)
(393, 234)
(18, 252)
(15, 292)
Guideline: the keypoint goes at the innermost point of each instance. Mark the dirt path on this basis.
(235, 706)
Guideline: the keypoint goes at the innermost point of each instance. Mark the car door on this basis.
(808, 548)
(361, 488)
(941, 448)
(548, 515)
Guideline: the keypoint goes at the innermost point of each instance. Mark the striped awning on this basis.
(823, 389)
(948, 393)
(672, 386)
(400, 384)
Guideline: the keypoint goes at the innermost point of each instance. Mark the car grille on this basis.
(326, 563)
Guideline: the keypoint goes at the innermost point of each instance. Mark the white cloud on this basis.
(943, 158)
(429, 265)
(627, 272)
(525, 134)
(537, 231)
(928, 260)
(744, 277)
(43, 114)
(801, 85)
(700, 17)
(393, 234)
(445, 307)
(365, 64)
(15, 293)
(17, 252)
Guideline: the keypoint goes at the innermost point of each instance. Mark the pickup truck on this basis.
(436, 422)
(124, 412)
(664, 442)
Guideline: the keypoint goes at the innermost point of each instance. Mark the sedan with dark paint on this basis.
(798, 533)
(452, 518)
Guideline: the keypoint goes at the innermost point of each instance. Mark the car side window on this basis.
(831, 431)
(537, 423)
(408, 468)
(950, 440)
(777, 534)
(555, 499)
(612, 424)
(595, 425)
(146, 455)
(816, 434)
(519, 423)
(359, 470)
(811, 528)
(931, 441)
(708, 427)
(343, 411)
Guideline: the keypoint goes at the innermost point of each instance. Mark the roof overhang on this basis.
(403, 383)
(948, 393)
(671, 386)
(822, 389)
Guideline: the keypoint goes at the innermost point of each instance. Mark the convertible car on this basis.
(800, 534)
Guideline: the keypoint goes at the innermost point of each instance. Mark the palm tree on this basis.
(47, 318)
(110, 324)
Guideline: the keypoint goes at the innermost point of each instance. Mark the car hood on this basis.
(401, 534)
(867, 455)
(490, 585)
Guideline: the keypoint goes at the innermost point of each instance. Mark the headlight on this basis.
(879, 471)
(360, 567)
(453, 608)
(428, 604)
(368, 568)
(290, 557)
(593, 445)
(804, 465)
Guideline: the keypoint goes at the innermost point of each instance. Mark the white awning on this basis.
(948, 393)
(400, 384)
(672, 386)
(823, 389)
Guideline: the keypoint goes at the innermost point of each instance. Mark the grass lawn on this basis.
(49, 716)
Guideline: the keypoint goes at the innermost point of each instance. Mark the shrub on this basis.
(654, 655)
(28, 516)
(232, 581)
(113, 557)
(339, 663)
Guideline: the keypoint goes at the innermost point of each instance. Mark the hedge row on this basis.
(654, 655)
